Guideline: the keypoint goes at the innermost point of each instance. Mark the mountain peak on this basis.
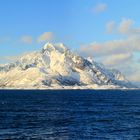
(49, 47)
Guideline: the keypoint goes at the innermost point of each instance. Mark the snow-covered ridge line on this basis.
(56, 67)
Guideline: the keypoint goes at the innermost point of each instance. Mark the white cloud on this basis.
(117, 59)
(27, 39)
(7, 59)
(99, 8)
(135, 76)
(110, 26)
(125, 26)
(111, 47)
(47, 36)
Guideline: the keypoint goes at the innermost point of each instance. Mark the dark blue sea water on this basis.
(69, 115)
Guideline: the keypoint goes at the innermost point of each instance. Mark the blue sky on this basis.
(73, 22)
(26, 25)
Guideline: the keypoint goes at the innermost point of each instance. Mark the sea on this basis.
(69, 114)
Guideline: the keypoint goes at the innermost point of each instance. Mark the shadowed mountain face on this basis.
(57, 67)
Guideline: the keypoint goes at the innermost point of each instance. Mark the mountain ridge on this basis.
(56, 67)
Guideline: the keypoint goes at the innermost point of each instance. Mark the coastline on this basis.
(69, 88)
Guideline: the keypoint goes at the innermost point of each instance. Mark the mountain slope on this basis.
(55, 66)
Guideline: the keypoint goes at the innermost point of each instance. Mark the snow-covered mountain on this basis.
(56, 67)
